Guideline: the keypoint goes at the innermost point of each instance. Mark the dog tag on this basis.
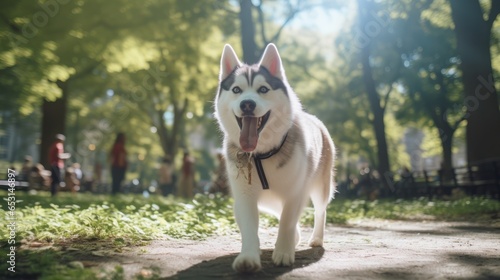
(249, 167)
(239, 165)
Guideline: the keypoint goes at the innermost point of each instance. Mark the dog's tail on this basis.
(329, 155)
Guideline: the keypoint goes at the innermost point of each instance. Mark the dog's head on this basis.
(254, 103)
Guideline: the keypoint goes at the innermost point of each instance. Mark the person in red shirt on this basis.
(56, 160)
(118, 156)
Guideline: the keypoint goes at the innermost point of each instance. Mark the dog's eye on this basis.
(237, 89)
(263, 89)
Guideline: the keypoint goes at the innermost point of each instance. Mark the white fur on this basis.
(307, 173)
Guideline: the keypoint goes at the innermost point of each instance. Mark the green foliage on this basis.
(132, 219)
(469, 208)
(43, 264)
(54, 264)
(153, 55)
(161, 57)
(88, 223)
(121, 220)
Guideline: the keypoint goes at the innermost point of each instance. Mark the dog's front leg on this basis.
(247, 217)
(288, 234)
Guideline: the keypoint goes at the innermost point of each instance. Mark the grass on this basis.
(464, 209)
(88, 223)
(129, 218)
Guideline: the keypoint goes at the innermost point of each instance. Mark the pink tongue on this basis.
(248, 134)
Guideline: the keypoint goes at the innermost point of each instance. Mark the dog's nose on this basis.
(247, 106)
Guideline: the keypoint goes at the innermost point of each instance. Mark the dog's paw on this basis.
(316, 242)
(284, 257)
(247, 263)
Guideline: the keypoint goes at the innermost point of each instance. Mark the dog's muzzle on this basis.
(250, 128)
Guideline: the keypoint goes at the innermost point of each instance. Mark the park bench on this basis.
(20, 185)
(482, 178)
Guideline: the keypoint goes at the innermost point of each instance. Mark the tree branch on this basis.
(129, 25)
(494, 12)
(458, 122)
(393, 80)
(304, 69)
(294, 11)
(16, 29)
(221, 6)
(86, 70)
(278, 33)
(262, 22)
(163, 132)
(92, 66)
(386, 97)
(424, 6)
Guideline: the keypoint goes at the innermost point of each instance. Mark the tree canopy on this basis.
(90, 69)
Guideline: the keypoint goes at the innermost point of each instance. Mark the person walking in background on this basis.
(56, 159)
(77, 177)
(118, 163)
(220, 184)
(78, 172)
(186, 184)
(97, 177)
(166, 177)
(26, 168)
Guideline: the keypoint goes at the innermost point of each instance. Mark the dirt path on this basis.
(366, 250)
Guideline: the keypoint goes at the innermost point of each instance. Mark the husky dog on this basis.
(277, 155)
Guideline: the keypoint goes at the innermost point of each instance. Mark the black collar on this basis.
(258, 164)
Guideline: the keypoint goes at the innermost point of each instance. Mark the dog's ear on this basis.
(271, 60)
(228, 62)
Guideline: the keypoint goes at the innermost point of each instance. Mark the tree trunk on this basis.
(247, 27)
(473, 36)
(374, 100)
(446, 136)
(378, 115)
(178, 128)
(170, 138)
(53, 121)
(163, 133)
(440, 119)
